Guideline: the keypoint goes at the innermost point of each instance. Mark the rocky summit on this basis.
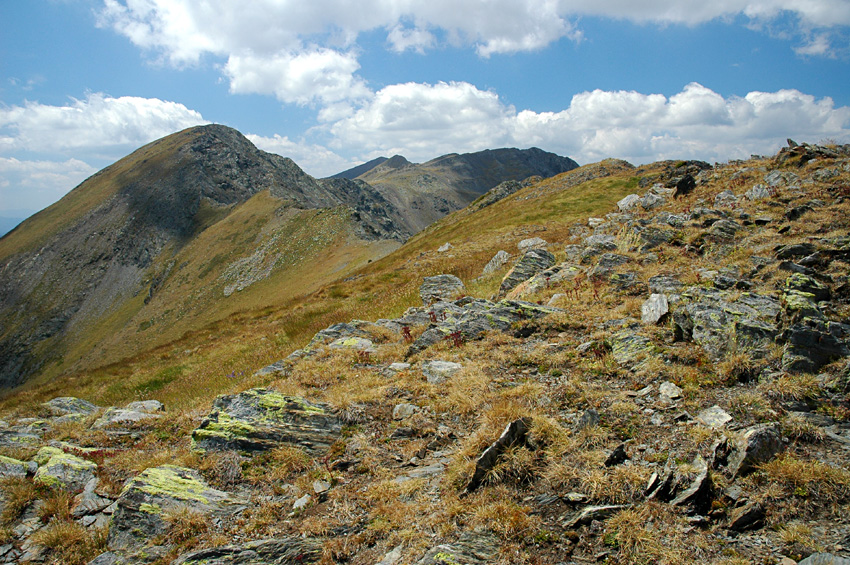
(614, 364)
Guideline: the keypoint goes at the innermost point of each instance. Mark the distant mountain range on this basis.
(197, 225)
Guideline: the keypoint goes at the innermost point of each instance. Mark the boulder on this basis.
(122, 417)
(146, 406)
(812, 343)
(532, 243)
(440, 288)
(533, 262)
(12, 468)
(280, 551)
(513, 434)
(473, 548)
(748, 517)
(801, 283)
(498, 261)
(261, 419)
(628, 202)
(756, 445)
(725, 199)
(724, 230)
(437, 371)
(62, 470)
(654, 309)
(757, 192)
(65, 405)
(651, 201)
(630, 349)
(142, 507)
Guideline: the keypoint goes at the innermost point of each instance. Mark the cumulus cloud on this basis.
(314, 159)
(320, 74)
(97, 124)
(423, 121)
(29, 185)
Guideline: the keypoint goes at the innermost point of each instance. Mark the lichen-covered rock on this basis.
(473, 548)
(630, 349)
(353, 344)
(799, 305)
(440, 288)
(813, 343)
(12, 468)
(65, 405)
(282, 551)
(545, 279)
(62, 470)
(533, 262)
(802, 283)
(147, 499)
(628, 202)
(123, 417)
(260, 419)
(724, 230)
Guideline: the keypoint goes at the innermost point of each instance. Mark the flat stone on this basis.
(70, 405)
(146, 406)
(403, 411)
(628, 202)
(670, 390)
(654, 309)
(399, 367)
(277, 551)
(437, 371)
(473, 548)
(591, 513)
(530, 264)
(445, 247)
(824, 559)
(12, 468)
(757, 445)
(121, 417)
(499, 260)
(62, 470)
(440, 288)
(532, 243)
(714, 417)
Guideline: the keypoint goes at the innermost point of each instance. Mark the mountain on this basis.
(355, 172)
(84, 268)
(8, 223)
(428, 191)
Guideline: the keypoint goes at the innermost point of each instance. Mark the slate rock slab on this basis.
(513, 434)
(113, 417)
(757, 444)
(12, 468)
(654, 309)
(473, 548)
(533, 262)
(260, 419)
(62, 470)
(812, 343)
(281, 551)
(498, 261)
(65, 405)
(440, 288)
(147, 499)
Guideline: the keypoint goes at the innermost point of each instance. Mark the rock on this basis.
(399, 367)
(65, 405)
(279, 551)
(725, 199)
(806, 284)
(793, 251)
(321, 487)
(714, 417)
(12, 468)
(62, 470)
(698, 495)
(799, 305)
(514, 434)
(147, 498)
(403, 411)
(665, 284)
(757, 444)
(654, 309)
(89, 502)
(437, 371)
(589, 418)
(617, 457)
(533, 262)
(670, 391)
(532, 243)
(685, 185)
(120, 417)
(627, 283)
(473, 548)
(591, 513)
(353, 344)
(445, 247)
(824, 559)
(146, 406)
(812, 343)
(748, 517)
(108, 558)
(651, 201)
(393, 557)
(630, 349)
(794, 214)
(302, 503)
(724, 230)
(261, 419)
(440, 288)
(628, 202)
(757, 192)
(498, 261)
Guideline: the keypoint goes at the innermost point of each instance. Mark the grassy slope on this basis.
(240, 336)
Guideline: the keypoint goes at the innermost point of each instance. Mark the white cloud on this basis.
(300, 78)
(423, 121)
(30, 185)
(99, 123)
(315, 160)
(401, 39)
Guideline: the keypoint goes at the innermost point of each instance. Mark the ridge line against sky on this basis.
(333, 83)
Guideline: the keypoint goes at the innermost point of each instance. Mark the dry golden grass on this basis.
(796, 487)
(789, 386)
(18, 493)
(56, 505)
(648, 533)
(185, 527)
(70, 543)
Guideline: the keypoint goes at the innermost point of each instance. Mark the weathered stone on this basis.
(618, 456)
(532, 243)
(802, 283)
(12, 468)
(89, 502)
(533, 262)
(399, 367)
(302, 502)
(724, 230)
(797, 212)
(589, 418)
(714, 417)
(120, 417)
(353, 344)
(670, 391)
(793, 251)
(725, 199)
(698, 495)
(591, 513)
(748, 517)
(513, 434)
(628, 202)
(62, 470)
(757, 192)
(147, 499)
(403, 411)
(630, 349)
(665, 284)
(757, 444)
(813, 343)
(445, 247)
(440, 288)
(654, 309)
(260, 419)
(824, 559)
(281, 551)
(651, 201)
(498, 261)
(146, 406)
(473, 548)
(69, 405)
(437, 371)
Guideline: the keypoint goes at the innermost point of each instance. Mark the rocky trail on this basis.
(671, 385)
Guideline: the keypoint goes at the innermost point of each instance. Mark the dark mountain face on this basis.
(156, 200)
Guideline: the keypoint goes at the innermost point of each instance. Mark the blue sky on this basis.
(333, 83)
